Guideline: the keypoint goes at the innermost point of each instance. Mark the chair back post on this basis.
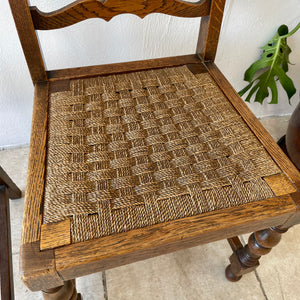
(210, 30)
(29, 41)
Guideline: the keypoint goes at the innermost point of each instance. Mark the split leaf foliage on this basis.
(273, 66)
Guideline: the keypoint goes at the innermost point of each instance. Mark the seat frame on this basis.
(53, 269)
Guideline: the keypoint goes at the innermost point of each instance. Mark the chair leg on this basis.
(246, 259)
(64, 292)
(6, 274)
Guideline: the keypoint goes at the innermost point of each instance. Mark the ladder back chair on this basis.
(133, 160)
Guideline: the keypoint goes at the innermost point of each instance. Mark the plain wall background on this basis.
(247, 25)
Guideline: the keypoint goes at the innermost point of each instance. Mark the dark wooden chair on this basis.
(134, 160)
(8, 190)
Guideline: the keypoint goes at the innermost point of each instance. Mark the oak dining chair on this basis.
(133, 160)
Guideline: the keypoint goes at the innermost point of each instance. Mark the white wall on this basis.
(247, 25)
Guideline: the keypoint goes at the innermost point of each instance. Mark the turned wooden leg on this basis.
(64, 292)
(246, 259)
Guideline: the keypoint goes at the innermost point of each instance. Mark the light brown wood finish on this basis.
(126, 67)
(294, 219)
(36, 167)
(28, 38)
(261, 133)
(37, 268)
(280, 184)
(210, 30)
(48, 269)
(85, 258)
(84, 9)
(54, 235)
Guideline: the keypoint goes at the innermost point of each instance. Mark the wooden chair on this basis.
(134, 160)
(8, 190)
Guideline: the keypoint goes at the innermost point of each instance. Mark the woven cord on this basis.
(131, 150)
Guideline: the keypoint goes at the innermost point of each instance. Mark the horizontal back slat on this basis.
(27, 19)
(84, 9)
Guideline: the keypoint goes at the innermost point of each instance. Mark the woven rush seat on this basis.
(137, 159)
(132, 150)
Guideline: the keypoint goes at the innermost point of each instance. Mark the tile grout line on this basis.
(261, 285)
(104, 286)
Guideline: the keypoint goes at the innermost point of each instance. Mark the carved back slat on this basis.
(84, 9)
(28, 19)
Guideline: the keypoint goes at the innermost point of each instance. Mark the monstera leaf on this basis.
(274, 62)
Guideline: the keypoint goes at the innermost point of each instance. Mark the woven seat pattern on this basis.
(131, 150)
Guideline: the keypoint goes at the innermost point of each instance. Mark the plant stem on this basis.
(291, 32)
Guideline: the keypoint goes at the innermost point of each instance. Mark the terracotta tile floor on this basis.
(196, 273)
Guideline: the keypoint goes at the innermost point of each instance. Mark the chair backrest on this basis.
(28, 19)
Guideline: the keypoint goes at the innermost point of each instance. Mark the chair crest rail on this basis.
(81, 10)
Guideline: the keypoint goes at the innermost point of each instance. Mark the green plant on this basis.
(273, 65)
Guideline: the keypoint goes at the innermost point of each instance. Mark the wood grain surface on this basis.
(210, 30)
(48, 269)
(84, 9)
(36, 167)
(280, 184)
(37, 268)
(260, 132)
(125, 67)
(96, 255)
(295, 218)
(54, 235)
